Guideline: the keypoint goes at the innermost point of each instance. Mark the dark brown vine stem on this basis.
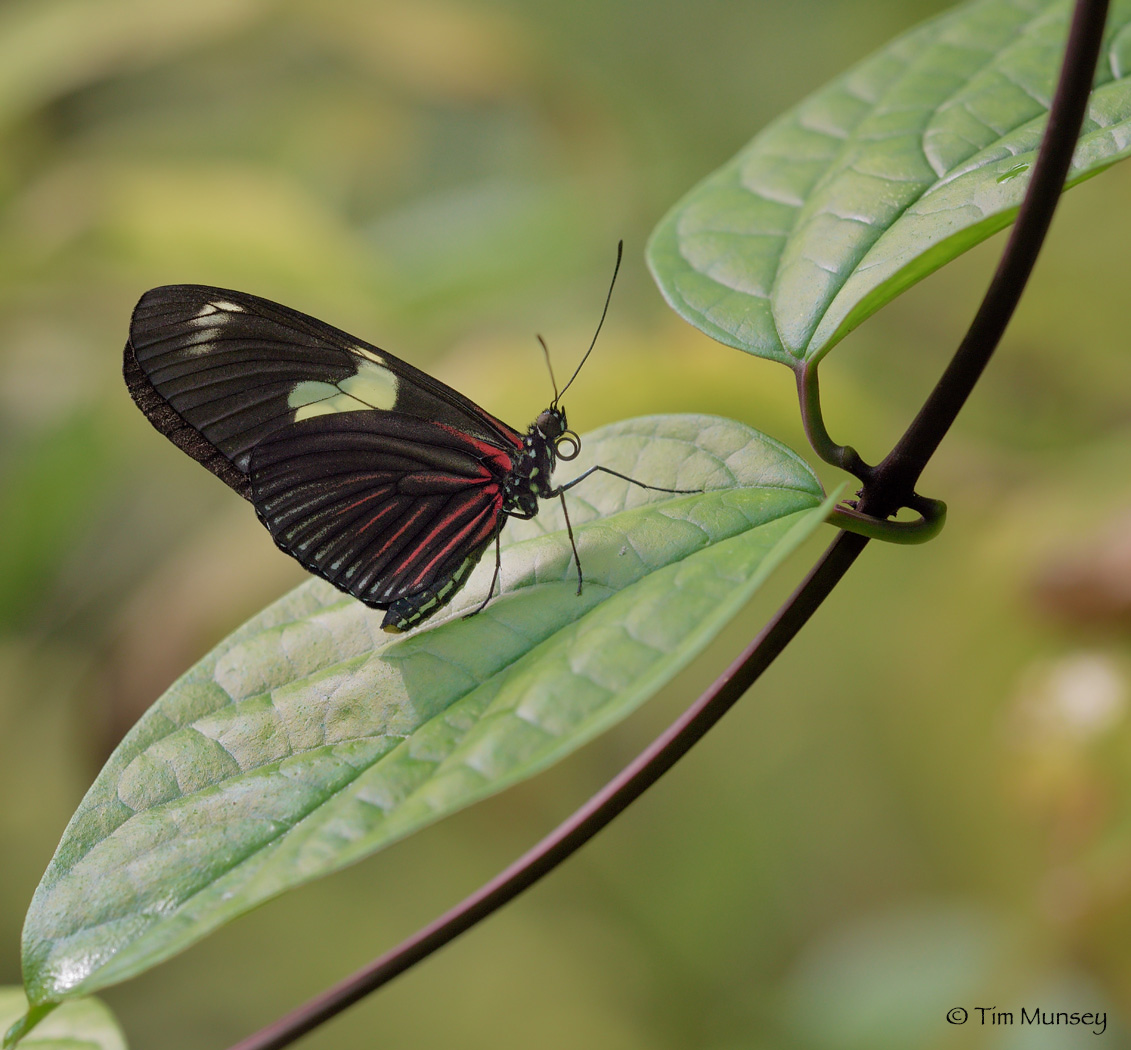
(889, 488)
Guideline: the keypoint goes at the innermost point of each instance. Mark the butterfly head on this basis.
(553, 431)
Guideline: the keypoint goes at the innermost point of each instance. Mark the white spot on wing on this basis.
(214, 313)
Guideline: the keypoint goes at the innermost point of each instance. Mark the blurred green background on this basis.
(926, 803)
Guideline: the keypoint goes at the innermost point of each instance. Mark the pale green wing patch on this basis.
(373, 386)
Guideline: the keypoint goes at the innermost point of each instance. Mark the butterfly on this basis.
(369, 472)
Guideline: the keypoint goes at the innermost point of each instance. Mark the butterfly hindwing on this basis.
(219, 372)
(381, 504)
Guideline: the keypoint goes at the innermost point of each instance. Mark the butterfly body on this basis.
(369, 472)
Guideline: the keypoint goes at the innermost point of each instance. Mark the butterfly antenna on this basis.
(553, 381)
(608, 299)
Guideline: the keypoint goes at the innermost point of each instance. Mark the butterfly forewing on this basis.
(233, 369)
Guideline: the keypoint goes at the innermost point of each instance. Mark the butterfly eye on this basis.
(567, 446)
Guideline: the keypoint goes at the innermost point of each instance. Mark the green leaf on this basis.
(310, 739)
(81, 1024)
(877, 180)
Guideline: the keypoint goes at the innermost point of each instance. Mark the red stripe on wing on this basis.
(381, 505)
(475, 534)
(499, 458)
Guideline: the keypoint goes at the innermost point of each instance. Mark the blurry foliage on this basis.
(445, 179)
(84, 1024)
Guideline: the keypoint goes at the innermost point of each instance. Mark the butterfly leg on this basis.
(572, 542)
(494, 579)
(624, 477)
(561, 490)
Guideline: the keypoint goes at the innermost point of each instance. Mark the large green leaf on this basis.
(82, 1024)
(877, 180)
(310, 739)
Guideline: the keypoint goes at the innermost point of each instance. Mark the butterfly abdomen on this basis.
(405, 613)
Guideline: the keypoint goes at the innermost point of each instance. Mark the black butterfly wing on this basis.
(219, 371)
(381, 504)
